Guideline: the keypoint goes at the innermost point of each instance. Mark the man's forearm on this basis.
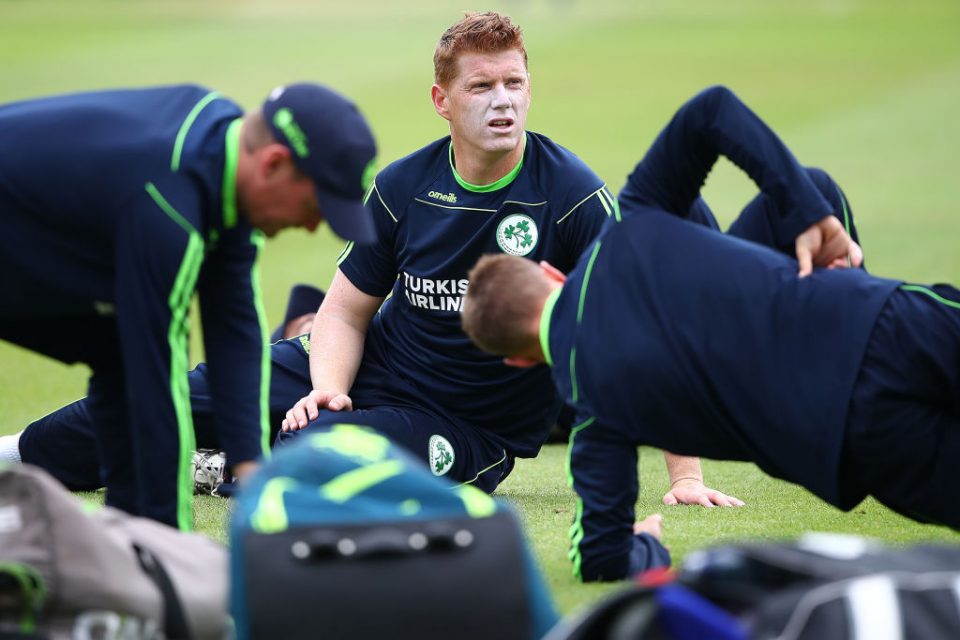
(336, 348)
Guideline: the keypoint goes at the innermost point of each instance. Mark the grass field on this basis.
(866, 89)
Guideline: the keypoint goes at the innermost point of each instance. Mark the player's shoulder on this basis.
(201, 100)
(559, 172)
(403, 179)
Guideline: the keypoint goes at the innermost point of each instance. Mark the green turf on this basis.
(867, 90)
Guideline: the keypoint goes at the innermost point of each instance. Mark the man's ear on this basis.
(439, 97)
(552, 272)
(520, 362)
(272, 158)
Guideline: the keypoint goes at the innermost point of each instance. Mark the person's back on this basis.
(721, 334)
(75, 165)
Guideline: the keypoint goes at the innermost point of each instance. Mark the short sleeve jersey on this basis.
(432, 228)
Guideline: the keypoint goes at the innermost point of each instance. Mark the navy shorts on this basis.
(387, 403)
(903, 429)
(64, 442)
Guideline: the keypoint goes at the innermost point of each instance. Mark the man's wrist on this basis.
(674, 481)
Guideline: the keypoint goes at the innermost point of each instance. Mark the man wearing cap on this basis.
(116, 206)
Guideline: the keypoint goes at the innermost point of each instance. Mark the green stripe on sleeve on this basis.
(168, 209)
(178, 337)
(586, 280)
(257, 239)
(576, 529)
(346, 252)
(545, 316)
(603, 201)
(185, 127)
(846, 211)
(615, 204)
(231, 148)
(574, 391)
(933, 294)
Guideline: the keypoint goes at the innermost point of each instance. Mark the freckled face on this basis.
(487, 102)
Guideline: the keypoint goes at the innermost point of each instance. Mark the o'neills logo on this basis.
(445, 197)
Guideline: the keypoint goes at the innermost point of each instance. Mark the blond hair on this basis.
(504, 296)
(488, 32)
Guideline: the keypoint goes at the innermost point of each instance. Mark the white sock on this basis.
(10, 448)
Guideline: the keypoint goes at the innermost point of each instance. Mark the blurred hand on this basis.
(652, 524)
(826, 244)
(243, 470)
(308, 408)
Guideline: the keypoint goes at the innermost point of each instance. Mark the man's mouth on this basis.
(500, 124)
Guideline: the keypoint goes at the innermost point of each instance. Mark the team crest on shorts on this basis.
(441, 455)
(517, 234)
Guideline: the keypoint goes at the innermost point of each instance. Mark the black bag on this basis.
(343, 535)
(831, 586)
(822, 587)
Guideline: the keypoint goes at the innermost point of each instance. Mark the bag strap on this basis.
(174, 620)
(22, 584)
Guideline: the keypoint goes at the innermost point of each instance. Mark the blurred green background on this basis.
(868, 89)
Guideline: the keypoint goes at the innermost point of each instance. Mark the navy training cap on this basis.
(331, 142)
(303, 299)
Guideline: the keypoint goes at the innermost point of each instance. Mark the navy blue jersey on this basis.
(124, 202)
(670, 334)
(432, 227)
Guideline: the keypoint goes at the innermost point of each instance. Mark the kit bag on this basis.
(71, 569)
(819, 587)
(833, 586)
(344, 535)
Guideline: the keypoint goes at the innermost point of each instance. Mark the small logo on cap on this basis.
(283, 120)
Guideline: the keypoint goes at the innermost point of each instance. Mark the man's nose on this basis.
(501, 97)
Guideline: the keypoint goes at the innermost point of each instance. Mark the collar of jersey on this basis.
(545, 316)
(231, 148)
(493, 186)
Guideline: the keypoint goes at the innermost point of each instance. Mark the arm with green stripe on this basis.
(236, 344)
(602, 469)
(159, 254)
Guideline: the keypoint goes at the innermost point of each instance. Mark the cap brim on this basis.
(303, 299)
(348, 218)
